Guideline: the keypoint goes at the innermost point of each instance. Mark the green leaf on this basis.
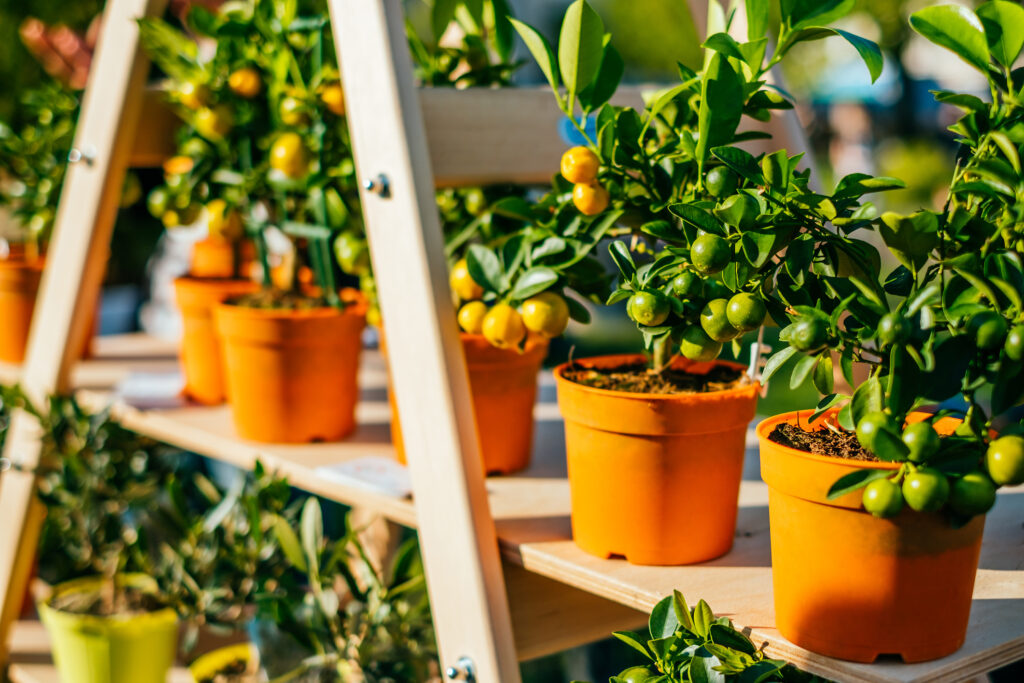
(804, 12)
(580, 46)
(866, 399)
(699, 218)
(541, 51)
(775, 362)
(631, 639)
(955, 28)
(682, 610)
(824, 378)
(1003, 23)
(890, 447)
(623, 259)
(758, 15)
(725, 44)
(855, 480)
(802, 370)
(502, 29)
(577, 311)
(533, 281)
(867, 50)
(312, 527)
(721, 106)
(910, 238)
(513, 207)
(1004, 143)
(441, 15)
(663, 622)
(607, 80)
(961, 100)
(485, 268)
(290, 545)
(663, 99)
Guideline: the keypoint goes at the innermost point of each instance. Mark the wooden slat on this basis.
(550, 616)
(460, 551)
(74, 269)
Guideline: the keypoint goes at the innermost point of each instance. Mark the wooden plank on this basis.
(460, 550)
(549, 616)
(74, 269)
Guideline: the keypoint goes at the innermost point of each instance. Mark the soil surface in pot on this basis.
(636, 378)
(832, 443)
(275, 299)
(126, 602)
(237, 671)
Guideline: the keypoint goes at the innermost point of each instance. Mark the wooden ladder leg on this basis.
(459, 543)
(74, 270)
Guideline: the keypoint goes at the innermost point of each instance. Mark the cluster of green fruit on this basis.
(927, 489)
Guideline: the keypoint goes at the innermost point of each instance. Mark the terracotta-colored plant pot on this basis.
(853, 586)
(291, 375)
(654, 478)
(19, 285)
(213, 258)
(202, 356)
(503, 383)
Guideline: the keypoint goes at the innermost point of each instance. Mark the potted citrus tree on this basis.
(879, 485)
(33, 160)
(697, 245)
(270, 103)
(499, 270)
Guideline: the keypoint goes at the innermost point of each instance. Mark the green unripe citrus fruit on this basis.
(698, 346)
(972, 494)
(1005, 460)
(710, 254)
(926, 490)
(650, 308)
(922, 440)
(715, 321)
(746, 311)
(871, 425)
(882, 498)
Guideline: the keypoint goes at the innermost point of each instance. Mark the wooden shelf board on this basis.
(531, 511)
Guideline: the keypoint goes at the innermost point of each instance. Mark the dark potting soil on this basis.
(125, 602)
(233, 672)
(275, 299)
(837, 443)
(636, 378)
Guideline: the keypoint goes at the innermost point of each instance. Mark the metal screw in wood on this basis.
(462, 671)
(379, 185)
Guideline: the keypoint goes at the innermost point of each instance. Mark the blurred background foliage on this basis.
(18, 70)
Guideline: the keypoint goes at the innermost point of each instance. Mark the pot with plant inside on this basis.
(99, 484)
(878, 498)
(662, 435)
(273, 149)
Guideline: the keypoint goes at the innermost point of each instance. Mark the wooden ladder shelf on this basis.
(506, 581)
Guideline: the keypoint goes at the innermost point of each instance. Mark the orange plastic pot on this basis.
(503, 384)
(291, 375)
(19, 285)
(850, 585)
(213, 258)
(654, 478)
(202, 356)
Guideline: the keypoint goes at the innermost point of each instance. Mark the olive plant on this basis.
(355, 621)
(946, 322)
(705, 234)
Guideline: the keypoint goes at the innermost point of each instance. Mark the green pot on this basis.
(212, 662)
(137, 648)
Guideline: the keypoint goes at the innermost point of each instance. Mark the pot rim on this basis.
(354, 308)
(559, 373)
(90, 583)
(766, 425)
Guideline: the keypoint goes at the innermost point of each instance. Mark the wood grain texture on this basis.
(75, 263)
(458, 542)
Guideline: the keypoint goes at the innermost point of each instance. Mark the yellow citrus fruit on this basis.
(471, 317)
(289, 155)
(333, 98)
(503, 326)
(178, 165)
(193, 95)
(590, 198)
(293, 112)
(215, 123)
(579, 165)
(223, 222)
(463, 284)
(245, 82)
(546, 314)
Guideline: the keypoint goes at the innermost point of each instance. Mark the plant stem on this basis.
(661, 354)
